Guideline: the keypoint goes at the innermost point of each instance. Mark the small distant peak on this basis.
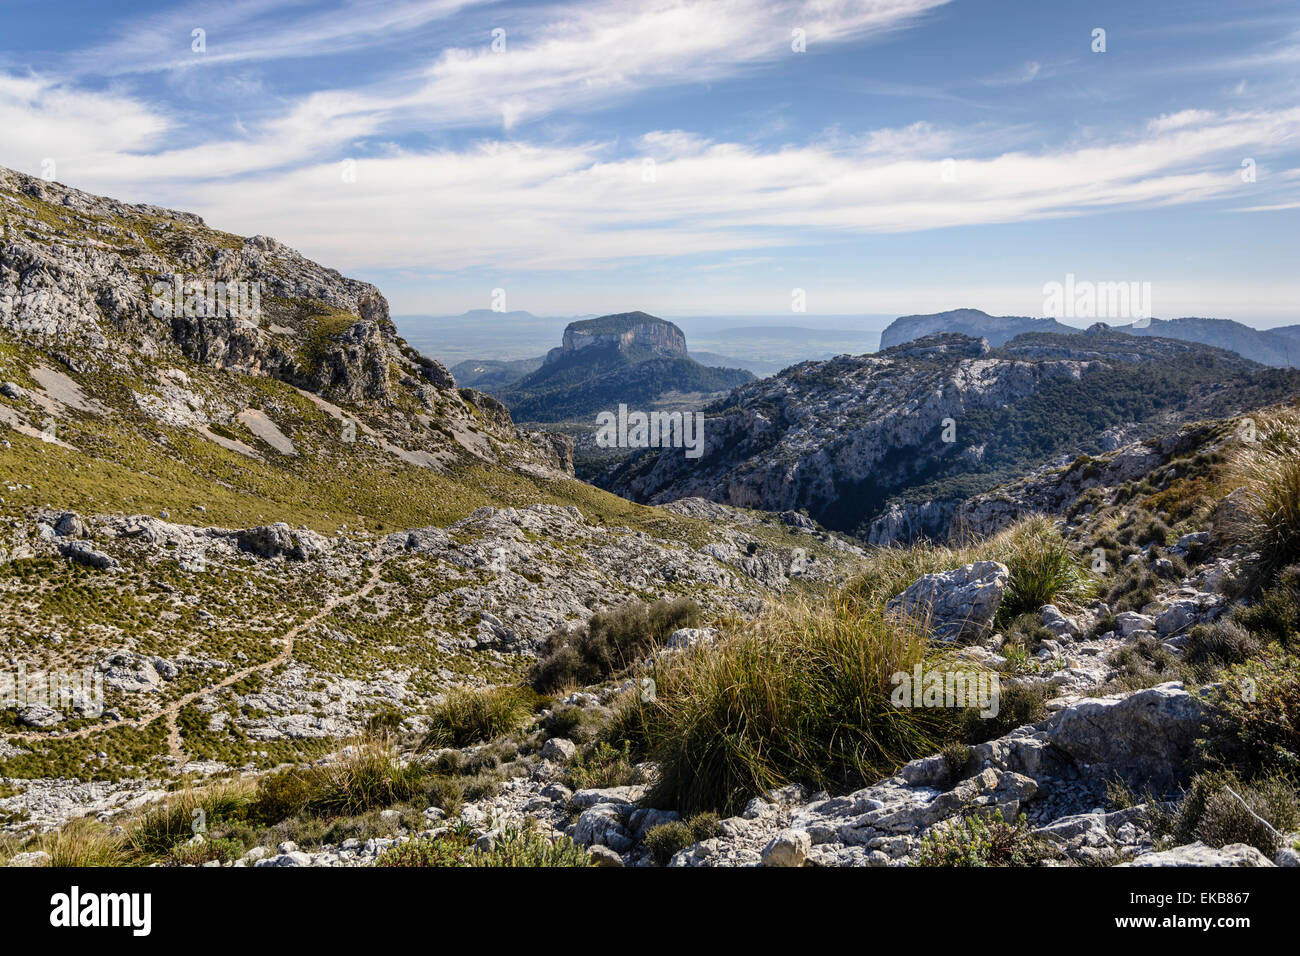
(1097, 328)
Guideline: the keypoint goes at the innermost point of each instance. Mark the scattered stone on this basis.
(559, 750)
(788, 848)
(34, 858)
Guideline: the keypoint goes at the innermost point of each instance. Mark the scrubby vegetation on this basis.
(666, 839)
(1268, 473)
(975, 841)
(469, 716)
(610, 642)
(1042, 569)
(804, 696)
(1220, 809)
(514, 847)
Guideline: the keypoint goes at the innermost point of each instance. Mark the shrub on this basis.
(610, 642)
(514, 848)
(528, 848)
(368, 775)
(1018, 704)
(1143, 663)
(173, 820)
(602, 765)
(1256, 727)
(802, 696)
(956, 756)
(196, 854)
(469, 716)
(1275, 615)
(1268, 470)
(280, 795)
(667, 839)
(974, 841)
(1220, 644)
(579, 724)
(1221, 809)
(1027, 630)
(449, 850)
(1042, 570)
(1133, 589)
(446, 794)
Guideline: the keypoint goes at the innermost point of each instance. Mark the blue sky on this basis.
(684, 158)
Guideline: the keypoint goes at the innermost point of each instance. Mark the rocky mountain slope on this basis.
(1094, 757)
(1278, 347)
(306, 602)
(939, 419)
(259, 529)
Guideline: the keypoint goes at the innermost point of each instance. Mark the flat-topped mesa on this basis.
(631, 332)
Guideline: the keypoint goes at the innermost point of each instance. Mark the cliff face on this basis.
(636, 333)
(631, 357)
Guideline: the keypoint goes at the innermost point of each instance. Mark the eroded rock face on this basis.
(281, 541)
(626, 331)
(957, 605)
(1146, 738)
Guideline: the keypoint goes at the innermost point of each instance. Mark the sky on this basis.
(692, 158)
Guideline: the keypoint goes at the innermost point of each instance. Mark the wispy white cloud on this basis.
(257, 31)
(517, 205)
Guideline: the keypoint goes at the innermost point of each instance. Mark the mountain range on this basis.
(935, 419)
(1279, 347)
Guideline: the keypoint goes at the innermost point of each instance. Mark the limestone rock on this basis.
(958, 604)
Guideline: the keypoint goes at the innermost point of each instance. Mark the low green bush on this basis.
(975, 841)
(468, 716)
(667, 839)
(515, 847)
(1256, 726)
(1220, 809)
(609, 643)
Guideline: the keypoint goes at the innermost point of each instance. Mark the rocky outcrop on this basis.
(636, 332)
(957, 605)
(97, 284)
(1146, 738)
(1198, 854)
